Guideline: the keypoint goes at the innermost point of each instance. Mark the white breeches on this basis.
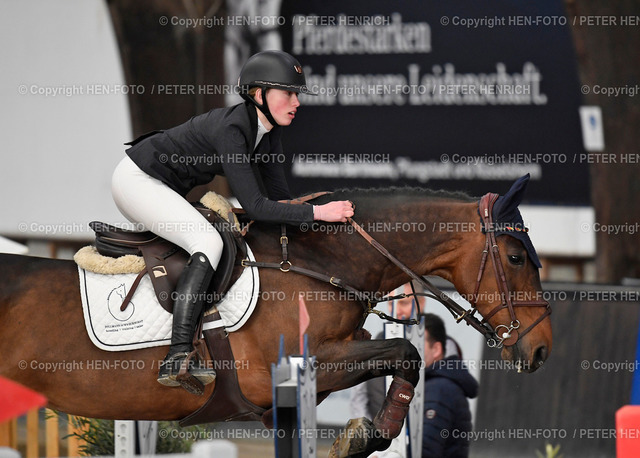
(149, 202)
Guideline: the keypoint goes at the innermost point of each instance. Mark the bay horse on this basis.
(430, 232)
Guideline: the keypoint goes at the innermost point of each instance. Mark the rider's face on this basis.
(282, 105)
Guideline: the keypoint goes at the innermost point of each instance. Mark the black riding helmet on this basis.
(271, 69)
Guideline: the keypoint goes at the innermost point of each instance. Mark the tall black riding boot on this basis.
(189, 299)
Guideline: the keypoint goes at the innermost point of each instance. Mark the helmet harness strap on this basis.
(264, 106)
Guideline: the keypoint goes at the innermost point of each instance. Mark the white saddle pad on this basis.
(144, 323)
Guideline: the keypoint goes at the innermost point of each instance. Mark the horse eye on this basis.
(516, 259)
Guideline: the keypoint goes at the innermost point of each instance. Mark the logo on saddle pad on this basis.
(159, 271)
(114, 301)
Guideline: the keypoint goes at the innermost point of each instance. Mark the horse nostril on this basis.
(540, 356)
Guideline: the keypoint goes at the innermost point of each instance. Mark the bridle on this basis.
(502, 334)
(496, 337)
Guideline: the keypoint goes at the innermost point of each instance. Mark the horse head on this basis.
(500, 279)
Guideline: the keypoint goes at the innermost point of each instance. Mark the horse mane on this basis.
(370, 201)
(375, 198)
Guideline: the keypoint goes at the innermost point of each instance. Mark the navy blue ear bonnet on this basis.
(507, 219)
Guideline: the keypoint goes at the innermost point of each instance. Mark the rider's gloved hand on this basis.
(333, 212)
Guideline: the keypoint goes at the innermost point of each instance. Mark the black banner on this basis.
(462, 96)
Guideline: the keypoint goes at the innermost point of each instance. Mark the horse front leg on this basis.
(345, 364)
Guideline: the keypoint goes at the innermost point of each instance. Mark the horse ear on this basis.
(510, 201)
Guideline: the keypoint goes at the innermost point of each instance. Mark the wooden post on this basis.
(52, 434)
(53, 250)
(13, 433)
(8, 433)
(32, 434)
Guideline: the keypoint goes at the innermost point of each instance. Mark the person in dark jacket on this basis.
(241, 142)
(447, 385)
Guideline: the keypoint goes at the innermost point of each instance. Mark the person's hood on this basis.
(454, 369)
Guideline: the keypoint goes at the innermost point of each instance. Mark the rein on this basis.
(458, 312)
(501, 335)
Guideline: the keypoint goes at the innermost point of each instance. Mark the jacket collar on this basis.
(253, 124)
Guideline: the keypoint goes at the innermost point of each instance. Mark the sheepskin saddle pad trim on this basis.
(89, 259)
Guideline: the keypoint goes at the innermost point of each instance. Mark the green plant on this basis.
(98, 437)
(550, 452)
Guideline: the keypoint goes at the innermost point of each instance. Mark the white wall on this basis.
(9, 246)
(58, 151)
(561, 231)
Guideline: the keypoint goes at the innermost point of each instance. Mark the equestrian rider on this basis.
(241, 142)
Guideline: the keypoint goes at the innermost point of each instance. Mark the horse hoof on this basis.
(356, 441)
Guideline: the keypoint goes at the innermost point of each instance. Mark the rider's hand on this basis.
(333, 212)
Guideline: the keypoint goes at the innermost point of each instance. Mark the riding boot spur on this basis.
(187, 309)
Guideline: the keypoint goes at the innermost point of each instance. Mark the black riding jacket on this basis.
(221, 142)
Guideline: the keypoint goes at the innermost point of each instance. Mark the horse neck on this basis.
(426, 236)
(434, 247)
